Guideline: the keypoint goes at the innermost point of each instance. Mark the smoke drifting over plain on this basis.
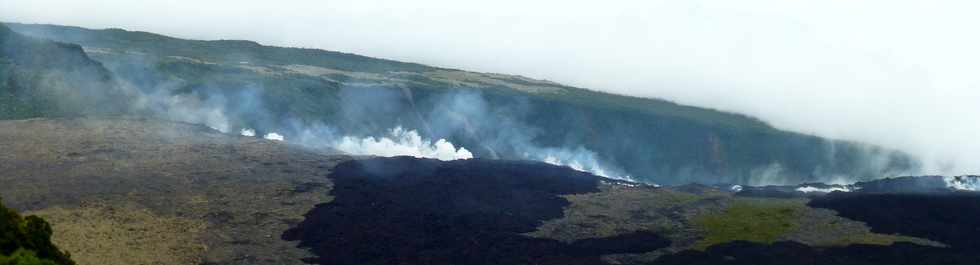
(461, 112)
(465, 112)
(894, 73)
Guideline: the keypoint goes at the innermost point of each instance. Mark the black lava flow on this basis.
(418, 211)
(915, 206)
(950, 218)
(788, 252)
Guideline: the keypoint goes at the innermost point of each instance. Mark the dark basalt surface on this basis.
(921, 184)
(951, 218)
(418, 211)
(923, 207)
(782, 253)
(782, 192)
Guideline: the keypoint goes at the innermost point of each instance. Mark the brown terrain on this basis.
(134, 191)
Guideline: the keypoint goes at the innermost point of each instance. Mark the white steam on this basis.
(402, 142)
(768, 175)
(809, 189)
(189, 108)
(963, 183)
(580, 159)
(274, 136)
(397, 142)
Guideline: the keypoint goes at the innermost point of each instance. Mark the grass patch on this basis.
(128, 234)
(755, 220)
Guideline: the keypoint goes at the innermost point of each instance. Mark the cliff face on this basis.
(47, 78)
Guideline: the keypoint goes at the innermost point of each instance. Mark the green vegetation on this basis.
(24, 257)
(762, 221)
(27, 241)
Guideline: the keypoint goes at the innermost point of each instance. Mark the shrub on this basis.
(27, 240)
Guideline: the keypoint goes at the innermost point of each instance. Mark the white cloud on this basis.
(897, 73)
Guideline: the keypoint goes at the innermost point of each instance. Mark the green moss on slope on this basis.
(762, 221)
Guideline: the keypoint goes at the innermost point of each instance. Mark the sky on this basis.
(902, 74)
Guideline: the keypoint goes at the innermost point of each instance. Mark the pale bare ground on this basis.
(452, 78)
(486, 80)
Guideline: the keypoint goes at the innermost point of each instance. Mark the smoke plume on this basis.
(401, 142)
(464, 113)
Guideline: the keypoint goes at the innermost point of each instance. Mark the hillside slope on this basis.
(289, 90)
(45, 78)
